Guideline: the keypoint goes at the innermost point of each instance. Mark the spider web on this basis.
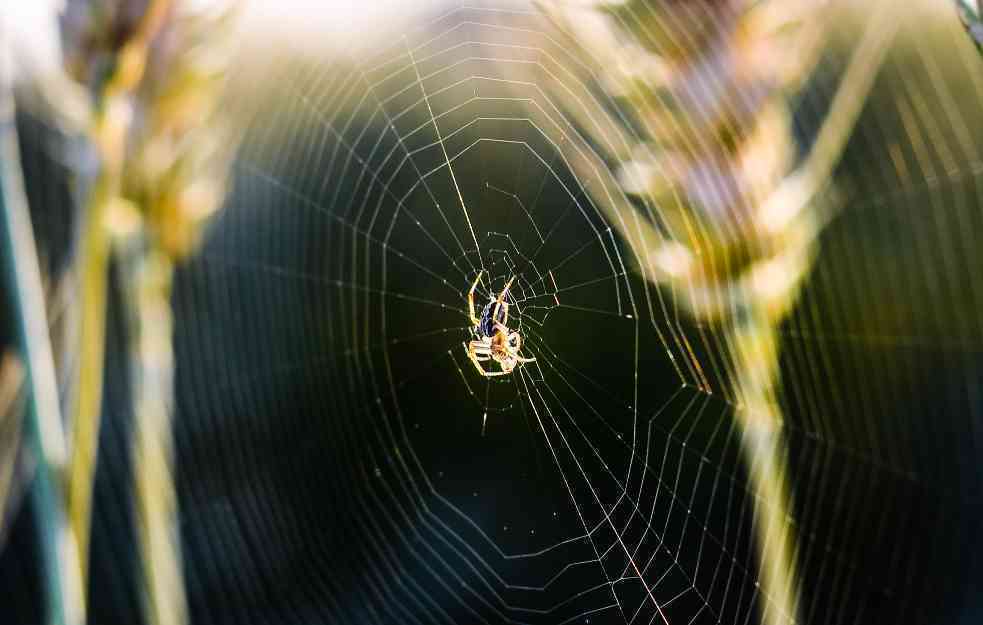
(330, 418)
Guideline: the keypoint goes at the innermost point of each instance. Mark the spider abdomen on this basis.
(487, 325)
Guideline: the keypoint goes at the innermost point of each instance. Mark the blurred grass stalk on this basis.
(773, 292)
(156, 499)
(62, 587)
(163, 152)
(737, 267)
(109, 128)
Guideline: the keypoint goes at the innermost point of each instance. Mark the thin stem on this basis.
(754, 343)
(61, 573)
(156, 505)
(109, 133)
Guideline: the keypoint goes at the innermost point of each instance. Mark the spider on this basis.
(495, 341)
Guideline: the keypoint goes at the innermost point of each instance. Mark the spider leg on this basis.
(501, 300)
(478, 352)
(505, 291)
(479, 356)
(474, 318)
(516, 338)
(477, 365)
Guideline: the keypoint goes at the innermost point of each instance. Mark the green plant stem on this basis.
(61, 574)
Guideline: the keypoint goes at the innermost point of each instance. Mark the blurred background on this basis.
(238, 241)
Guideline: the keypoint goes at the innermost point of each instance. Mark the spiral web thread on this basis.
(604, 482)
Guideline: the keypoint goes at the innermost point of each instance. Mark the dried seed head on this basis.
(707, 83)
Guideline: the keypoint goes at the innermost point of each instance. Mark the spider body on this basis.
(494, 339)
(486, 323)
